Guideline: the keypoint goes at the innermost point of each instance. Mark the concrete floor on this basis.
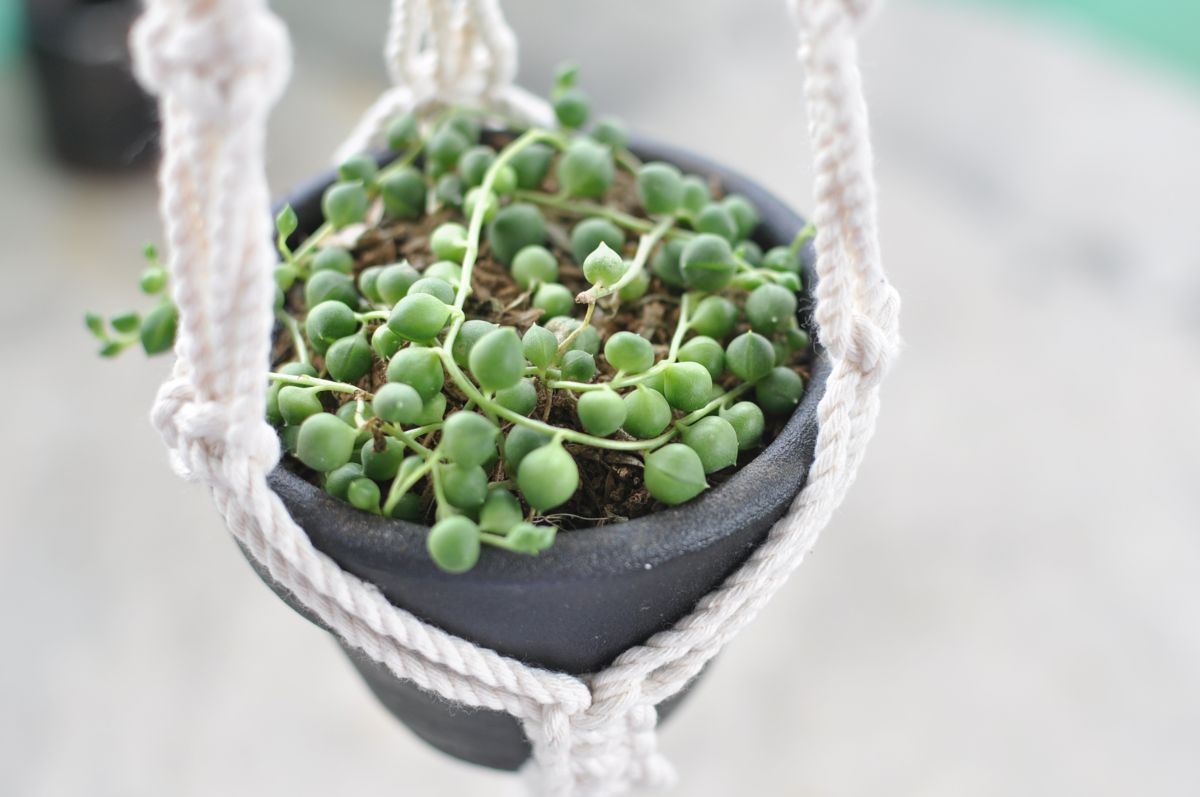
(1009, 603)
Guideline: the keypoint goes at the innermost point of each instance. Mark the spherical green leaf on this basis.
(572, 107)
(403, 193)
(324, 442)
(448, 190)
(419, 317)
(465, 486)
(539, 346)
(781, 259)
(397, 402)
(603, 266)
(716, 220)
(586, 169)
(770, 307)
(590, 233)
(381, 457)
(780, 391)
(501, 511)
(468, 335)
(629, 352)
(601, 412)
(491, 204)
(360, 168)
(420, 368)
(750, 356)
(531, 165)
(344, 204)
(714, 317)
(715, 441)
(747, 421)
(298, 403)
(744, 214)
(449, 241)
(687, 386)
(611, 133)
(520, 441)
(453, 544)
(157, 332)
(363, 494)
(337, 481)
(324, 286)
(497, 360)
(468, 438)
(437, 288)
(674, 474)
(707, 263)
(636, 288)
(695, 195)
(554, 300)
(521, 398)
(660, 188)
(329, 321)
(349, 359)
(647, 413)
(515, 227)
(401, 132)
(474, 163)
(445, 147)
(534, 265)
(665, 262)
(578, 366)
(706, 351)
(548, 477)
(286, 223)
(153, 280)
(394, 281)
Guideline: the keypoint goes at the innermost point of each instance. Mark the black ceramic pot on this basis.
(596, 592)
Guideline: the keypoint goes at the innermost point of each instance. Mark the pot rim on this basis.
(644, 543)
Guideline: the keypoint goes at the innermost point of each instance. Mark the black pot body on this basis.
(596, 592)
(96, 115)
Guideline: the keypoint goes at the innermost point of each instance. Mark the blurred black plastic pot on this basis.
(96, 116)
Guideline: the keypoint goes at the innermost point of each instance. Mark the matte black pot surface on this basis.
(596, 592)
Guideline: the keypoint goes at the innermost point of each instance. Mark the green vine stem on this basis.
(293, 328)
(400, 486)
(312, 381)
(580, 208)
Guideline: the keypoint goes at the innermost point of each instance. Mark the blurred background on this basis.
(1009, 602)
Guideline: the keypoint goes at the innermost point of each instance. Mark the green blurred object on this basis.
(12, 30)
(1167, 31)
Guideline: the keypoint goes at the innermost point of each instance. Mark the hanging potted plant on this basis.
(545, 394)
(544, 389)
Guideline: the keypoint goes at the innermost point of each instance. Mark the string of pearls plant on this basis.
(488, 472)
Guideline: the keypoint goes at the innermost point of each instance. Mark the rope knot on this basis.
(201, 434)
(222, 60)
(871, 347)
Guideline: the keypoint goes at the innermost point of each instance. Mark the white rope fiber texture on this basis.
(217, 67)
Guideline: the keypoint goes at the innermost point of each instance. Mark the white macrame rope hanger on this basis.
(218, 66)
